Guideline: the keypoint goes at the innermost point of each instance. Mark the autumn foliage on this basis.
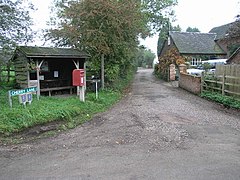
(172, 56)
(109, 29)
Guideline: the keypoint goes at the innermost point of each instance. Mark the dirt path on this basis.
(157, 132)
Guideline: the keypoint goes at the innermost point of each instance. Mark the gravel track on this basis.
(158, 131)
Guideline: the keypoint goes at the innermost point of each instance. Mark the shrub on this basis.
(225, 100)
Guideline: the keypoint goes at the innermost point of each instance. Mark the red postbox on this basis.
(78, 77)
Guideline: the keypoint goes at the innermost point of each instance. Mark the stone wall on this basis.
(190, 83)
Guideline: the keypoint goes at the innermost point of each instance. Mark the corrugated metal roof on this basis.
(34, 51)
(196, 43)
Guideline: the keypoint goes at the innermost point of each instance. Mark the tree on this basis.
(145, 57)
(172, 56)
(158, 12)
(234, 31)
(189, 29)
(140, 56)
(149, 57)
(163, 34)
(233, 36)
(106, 27)
(15, 23)
(176, 28)
(15, 28)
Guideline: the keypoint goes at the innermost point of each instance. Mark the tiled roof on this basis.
(32, 51)
(221, 31)
(196, 43)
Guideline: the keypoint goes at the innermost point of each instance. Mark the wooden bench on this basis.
(49, 90)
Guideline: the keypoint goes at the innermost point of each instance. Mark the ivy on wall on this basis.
(172, 56)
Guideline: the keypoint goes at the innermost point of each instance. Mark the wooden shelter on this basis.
(50, 69)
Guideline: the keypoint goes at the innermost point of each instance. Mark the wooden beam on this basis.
(76, 64)
(38, 80)
(85, 76)
(38, 65)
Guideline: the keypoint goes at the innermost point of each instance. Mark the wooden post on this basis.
(102, 71)
(38, 80)
(96, 90)
(10, 99)
(78, 87)
(28, 78)
(202, 81)
(38, 66)
(81, 89)
(82, 93)
(223, 84)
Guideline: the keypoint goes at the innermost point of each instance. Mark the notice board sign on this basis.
(25, 95)
(25, 98)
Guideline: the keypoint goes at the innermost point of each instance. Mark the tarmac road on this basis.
(158, 131)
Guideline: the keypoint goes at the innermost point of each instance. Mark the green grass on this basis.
(69, 111)
(225, 100)
(49, 109)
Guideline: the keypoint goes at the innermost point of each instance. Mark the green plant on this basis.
(225, 100)
(171, 56)
(109, 29)
(69, 110)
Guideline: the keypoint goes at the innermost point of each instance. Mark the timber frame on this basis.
(49, 69)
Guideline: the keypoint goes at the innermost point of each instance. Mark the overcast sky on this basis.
(206, 14)
(202, 14)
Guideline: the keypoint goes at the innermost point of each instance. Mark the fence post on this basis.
(202, 81)
(223, 84)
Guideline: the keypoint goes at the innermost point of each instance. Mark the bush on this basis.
(225, 100)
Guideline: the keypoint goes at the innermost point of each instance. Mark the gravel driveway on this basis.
(158, 131)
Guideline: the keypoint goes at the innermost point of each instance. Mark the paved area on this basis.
(158, 131)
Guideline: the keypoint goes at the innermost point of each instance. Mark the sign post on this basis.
(82, 94)
(96, 81)
(25, 95)
(10, 99)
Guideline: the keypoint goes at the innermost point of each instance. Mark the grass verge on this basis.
(225, 100)
(49, 109)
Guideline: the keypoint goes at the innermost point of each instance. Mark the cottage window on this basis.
(196, 61)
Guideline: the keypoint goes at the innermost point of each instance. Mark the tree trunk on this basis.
(0, 74)
(102, 71)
